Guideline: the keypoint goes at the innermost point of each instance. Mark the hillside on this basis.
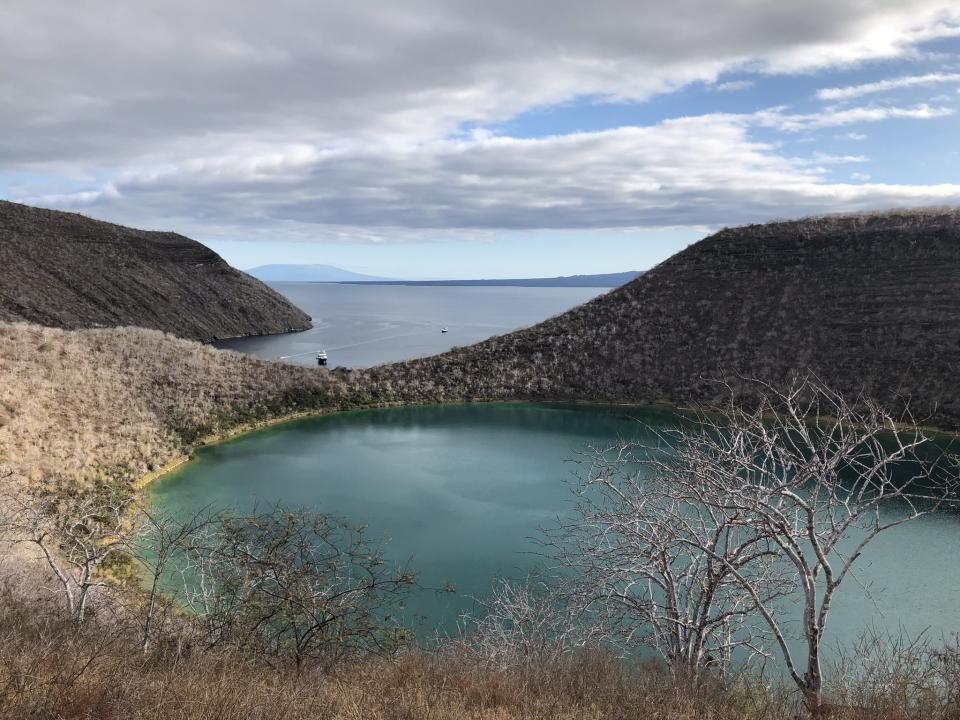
(65, 270)
(115, 403)
(870, 303)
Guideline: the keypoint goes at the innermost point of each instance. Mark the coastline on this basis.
(144, 481)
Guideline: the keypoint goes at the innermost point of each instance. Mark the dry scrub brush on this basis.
(113, 404)
(51, 667)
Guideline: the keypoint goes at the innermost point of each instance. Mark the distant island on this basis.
(607, 280)
(332, 274)
(288, 272)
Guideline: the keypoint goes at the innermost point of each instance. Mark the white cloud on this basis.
(834, 117)
(698, 171)
(733, 86)
(107, 82)
(855, 91)
(827, 159)
(296, 118)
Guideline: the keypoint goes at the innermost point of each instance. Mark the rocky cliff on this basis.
(65, 270)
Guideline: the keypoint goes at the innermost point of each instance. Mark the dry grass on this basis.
(50, 668)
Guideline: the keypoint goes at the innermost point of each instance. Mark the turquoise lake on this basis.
(461, 490)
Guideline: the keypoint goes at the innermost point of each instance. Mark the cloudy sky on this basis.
(430, 138)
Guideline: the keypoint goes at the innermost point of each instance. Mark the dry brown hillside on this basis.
(870, 303)
(117, 403)
(65, 270)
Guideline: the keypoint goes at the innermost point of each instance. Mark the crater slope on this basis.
(869, 303)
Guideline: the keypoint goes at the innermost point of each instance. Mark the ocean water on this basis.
(366, 325)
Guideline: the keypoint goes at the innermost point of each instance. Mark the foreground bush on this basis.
(52, 668)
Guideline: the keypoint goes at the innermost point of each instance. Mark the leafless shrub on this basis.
(633, 552)
(692, 543)
(293, 584)
(816, 478)
(890, 673)
(77, 535)
(528, 623)
(162, 543)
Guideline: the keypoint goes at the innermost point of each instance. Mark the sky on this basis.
(461, 139)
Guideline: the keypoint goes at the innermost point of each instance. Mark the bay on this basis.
(366, 325)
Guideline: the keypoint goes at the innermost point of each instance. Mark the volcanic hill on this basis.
(65, 270)
(869, 303)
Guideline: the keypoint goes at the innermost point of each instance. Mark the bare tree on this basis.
(817, 478)
(76, 534)
(294, 584)
(528, 622)
(164, 539)
(633, 547)
(197, 589)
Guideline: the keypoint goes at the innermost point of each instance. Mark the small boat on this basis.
(322, 357)
(443, 330)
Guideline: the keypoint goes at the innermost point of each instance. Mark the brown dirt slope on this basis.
(64, 270)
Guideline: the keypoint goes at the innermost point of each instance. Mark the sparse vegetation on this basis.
(114, 404)
(50, 667)
(869, 303)
(292, 585)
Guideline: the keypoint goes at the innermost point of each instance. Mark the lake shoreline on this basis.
(457, 489)
(144, 481)
(243, 429)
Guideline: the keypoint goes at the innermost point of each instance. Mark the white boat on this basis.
(443, 330)
(322, 357)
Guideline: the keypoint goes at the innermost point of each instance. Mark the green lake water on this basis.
(460, 490)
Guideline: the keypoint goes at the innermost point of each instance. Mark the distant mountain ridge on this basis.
(606, 280)
(332, 274)
(65, 270)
